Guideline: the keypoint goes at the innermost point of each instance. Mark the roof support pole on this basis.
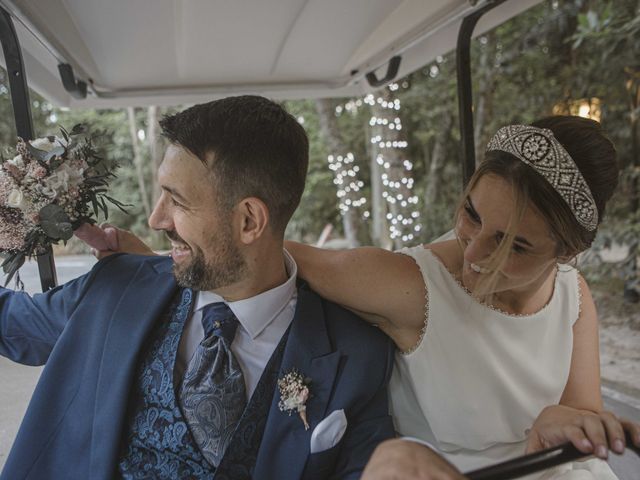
(24, 124)
(465, 91)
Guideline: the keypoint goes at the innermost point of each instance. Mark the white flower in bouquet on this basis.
(44, 144)
(47, 191)
(59, 182)
(14, 200)
(17, 199)
(16, 161)
(72, 176)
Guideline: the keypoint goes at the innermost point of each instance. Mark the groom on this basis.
(213, 362)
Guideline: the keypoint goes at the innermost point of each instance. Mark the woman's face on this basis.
(482, 224)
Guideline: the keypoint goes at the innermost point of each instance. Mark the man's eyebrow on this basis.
(516, 238)
(174, 193)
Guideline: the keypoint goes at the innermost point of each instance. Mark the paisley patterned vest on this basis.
(157, 442)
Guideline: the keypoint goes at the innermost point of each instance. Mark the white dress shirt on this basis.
(263, 321)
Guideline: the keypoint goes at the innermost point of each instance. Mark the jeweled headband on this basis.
(538, 148)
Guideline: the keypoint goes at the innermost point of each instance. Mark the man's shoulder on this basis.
(126, 262)
(120, 268)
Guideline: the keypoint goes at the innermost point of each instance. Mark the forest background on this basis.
(385, 169)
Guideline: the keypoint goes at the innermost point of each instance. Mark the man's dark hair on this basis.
(253, 147)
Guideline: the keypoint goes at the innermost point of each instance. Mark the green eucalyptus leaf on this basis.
(55, 222)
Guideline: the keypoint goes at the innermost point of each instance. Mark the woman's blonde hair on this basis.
(595, 156)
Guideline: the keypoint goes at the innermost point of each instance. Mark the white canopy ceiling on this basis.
(142, 52)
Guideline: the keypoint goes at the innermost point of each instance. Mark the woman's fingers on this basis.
(594, 429)
(615, 432)
(578, 437)
(591, 433)
(634, 431)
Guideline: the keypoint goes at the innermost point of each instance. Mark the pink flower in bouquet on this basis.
(13, 229)
(13, 171)
(39, 172)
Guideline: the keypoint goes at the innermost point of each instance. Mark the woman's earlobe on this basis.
(567, 258)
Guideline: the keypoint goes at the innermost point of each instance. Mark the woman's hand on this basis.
(591, 433)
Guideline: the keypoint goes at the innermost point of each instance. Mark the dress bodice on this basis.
(479, 377)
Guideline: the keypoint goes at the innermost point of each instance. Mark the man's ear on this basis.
(254, 219)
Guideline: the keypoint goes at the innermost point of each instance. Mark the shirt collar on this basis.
(255, 313)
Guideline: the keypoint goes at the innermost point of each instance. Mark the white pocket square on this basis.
(328, 432)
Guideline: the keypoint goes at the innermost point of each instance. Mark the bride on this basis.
(496, 331)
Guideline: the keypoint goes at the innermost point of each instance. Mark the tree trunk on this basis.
(137, 160)
(155, 144)
(155, 149)
(437, 163)
(633, 87)
(330, 132)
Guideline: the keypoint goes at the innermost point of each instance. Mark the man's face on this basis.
(205, 253)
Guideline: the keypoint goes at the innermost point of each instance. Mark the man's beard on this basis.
(227, 267)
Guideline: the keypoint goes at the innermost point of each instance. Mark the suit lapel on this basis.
(144, 299)
(285, 444)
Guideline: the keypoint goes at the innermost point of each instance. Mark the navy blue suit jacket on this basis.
(90, 333)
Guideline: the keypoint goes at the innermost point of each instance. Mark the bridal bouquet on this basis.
(48, 189)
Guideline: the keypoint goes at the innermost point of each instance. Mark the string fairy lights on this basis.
(397, 180)
(402, 214)
(346, 181)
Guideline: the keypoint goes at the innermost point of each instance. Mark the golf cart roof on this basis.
(168, 52)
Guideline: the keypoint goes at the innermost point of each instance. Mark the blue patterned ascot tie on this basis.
(213, 396)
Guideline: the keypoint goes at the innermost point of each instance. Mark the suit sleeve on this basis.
(370, 426)
(31, 325)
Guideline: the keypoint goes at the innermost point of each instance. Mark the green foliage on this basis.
(55, 222)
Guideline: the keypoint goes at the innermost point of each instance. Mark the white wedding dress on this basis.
(479, 377)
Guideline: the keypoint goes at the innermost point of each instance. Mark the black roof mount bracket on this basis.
(392, 71)
(465, 93)
(76, 88)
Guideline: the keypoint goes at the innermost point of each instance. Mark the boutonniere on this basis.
(294, 393)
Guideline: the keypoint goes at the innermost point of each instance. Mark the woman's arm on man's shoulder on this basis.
(383, 287)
